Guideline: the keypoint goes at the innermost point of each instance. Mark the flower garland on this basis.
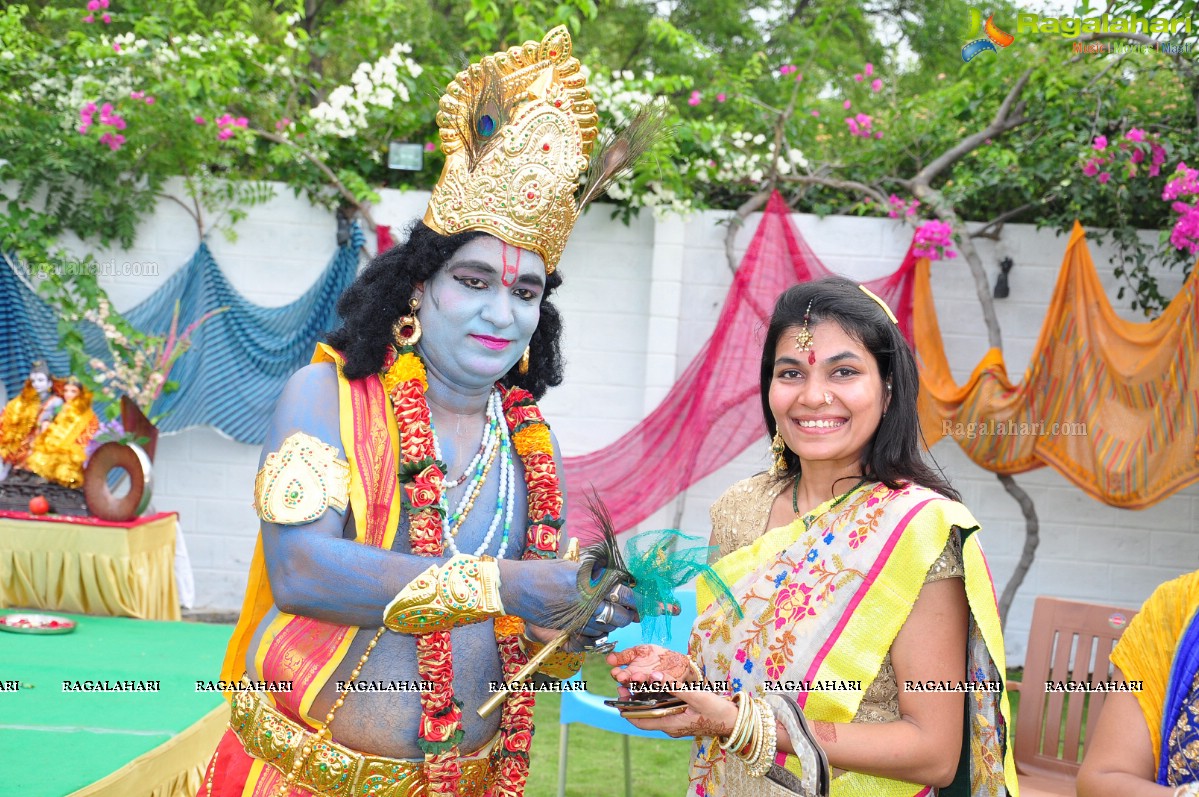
(422, 480)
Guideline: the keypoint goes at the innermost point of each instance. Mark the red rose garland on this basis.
(422, 486)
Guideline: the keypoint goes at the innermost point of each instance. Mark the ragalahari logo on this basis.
(983, 37)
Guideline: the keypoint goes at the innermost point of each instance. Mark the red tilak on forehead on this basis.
(508, 277)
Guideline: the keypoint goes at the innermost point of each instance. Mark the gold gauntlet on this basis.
(464, 590)
(300, 481)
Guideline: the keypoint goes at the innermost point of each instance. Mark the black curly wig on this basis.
(380, 294)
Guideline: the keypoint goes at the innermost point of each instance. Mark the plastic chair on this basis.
(1068, 641)
(589, 709)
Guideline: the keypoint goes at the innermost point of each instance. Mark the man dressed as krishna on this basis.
(409, 489)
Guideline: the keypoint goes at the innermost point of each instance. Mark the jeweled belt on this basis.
(329, 769)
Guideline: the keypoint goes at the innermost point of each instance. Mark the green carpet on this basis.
(54, 742)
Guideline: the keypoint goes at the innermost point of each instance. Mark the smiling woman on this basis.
(854, 565)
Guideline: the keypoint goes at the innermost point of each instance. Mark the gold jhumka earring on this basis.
(406, 330)
(524, 362)
(803, 338)
(779, 466)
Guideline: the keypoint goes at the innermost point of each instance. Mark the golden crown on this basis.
(517, 130)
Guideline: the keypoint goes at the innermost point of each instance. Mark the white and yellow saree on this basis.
(823, 599)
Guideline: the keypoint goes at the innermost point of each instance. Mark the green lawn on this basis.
(595, 763)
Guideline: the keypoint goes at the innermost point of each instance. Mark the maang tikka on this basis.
(803, 338)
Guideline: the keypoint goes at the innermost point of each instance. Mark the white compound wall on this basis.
(639, 301)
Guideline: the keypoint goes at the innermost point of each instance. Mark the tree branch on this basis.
(738, 221)
(1003, 122)
(346, 194)
(194, 214)
(840, 185)
(998, 221)
(1032, 538)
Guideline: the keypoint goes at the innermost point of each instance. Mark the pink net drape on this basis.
(713, 412)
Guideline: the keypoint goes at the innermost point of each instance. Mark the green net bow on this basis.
(660, 566)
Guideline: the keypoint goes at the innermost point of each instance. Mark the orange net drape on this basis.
(1111, 404)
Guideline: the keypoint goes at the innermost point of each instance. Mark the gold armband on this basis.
(559, 664)
(464, 590)
(300, 481)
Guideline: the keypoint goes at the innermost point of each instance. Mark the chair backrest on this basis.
(1070, 642)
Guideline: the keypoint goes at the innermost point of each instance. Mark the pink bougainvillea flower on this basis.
(1100, 143)
(284, 122)
(815, 112)
(876, 85)
(241, 121)
(694, 99)
(430, 146)
(787, 69)
(859, 77)
(934, 240)
(1185, 234)
(225, 119)
(106, 19)
(136, 95)
(1091, 168)
(1137, 156)
(83, 129)
(226, 134)
(1135, 135)
(89, 19)
(103, 3)
(869, 70)
(1104, 177)
(116, 48)
(93, 5)
(199, 120)
(847, 105)
(853, 125)
(721, 97)
(878, 134)
(1184, 183)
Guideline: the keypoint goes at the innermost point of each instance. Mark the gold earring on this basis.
(406, 330)
(777, 447)
(524, 362)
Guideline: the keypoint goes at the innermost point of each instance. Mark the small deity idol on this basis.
(26, 415)
(58, 450)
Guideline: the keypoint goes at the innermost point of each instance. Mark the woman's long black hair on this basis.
(893, 455)
(380, 294)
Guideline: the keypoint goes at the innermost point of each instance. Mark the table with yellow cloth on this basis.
(89, 566)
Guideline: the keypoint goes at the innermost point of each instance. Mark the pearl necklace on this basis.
(495, 441)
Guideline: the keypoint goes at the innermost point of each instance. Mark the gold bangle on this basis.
(466, 589)
(699, 675)
(738, 726)
(769, 740)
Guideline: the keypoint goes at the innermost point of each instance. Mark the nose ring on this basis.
(828, 397)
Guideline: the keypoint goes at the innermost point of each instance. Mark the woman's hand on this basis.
(708, 714)
(650, 664)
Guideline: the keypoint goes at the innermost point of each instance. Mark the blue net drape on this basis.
(239, 360)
